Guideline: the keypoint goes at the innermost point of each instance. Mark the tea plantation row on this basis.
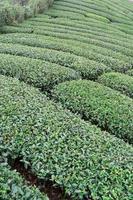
(84, 66)
(12, 186)
(69, 34)
(107, 108)
(60, 146)
(118, 81)
(79, 136)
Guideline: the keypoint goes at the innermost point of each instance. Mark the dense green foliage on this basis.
(86, 67)
(125, 28)
(66, 34)
(117, 81)
(39, 73)
(54, 52)
(85, 29)
(130, 72)
(60, 146)
(107, 108)
(107, 28)
(13, 187)
(96, 10)
(116, 62)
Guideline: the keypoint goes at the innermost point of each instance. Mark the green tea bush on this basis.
(36, 72)
(114, 63)
(95, 41)
(62, 44)
(87, 68)
(65, 14)
(94, 11)
(66, 34)
(97, 7)
(100, 39)
(124, 27)
(117, 81)
(79, 31)
(110, 12)
(14, 29)
(82, 33)
(89, 27)
(12, 186)
(91, 23)
(130, 72)
(59, 6)
(122, 7)
(117, 61)
(105, 107)
(58, 145)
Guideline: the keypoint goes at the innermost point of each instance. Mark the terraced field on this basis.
(66, 103)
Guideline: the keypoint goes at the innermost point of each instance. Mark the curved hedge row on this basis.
(109, 109)
(58, 145)
(98, 42)
(70, 14)
(125, 28)
(65, 14)
(98, 39)
(124, 7)
(91, 13)
(97, 7)
(117, 81)
(58, 7)
(119, 18)
(101, 27)
(87, 68)
(13, 187)
(81, 32)
(85, 8)
(122, 65)
(66, 34)
(130, 72)
(78, 48)
(15, 29)
(88, 27)
(35, 72)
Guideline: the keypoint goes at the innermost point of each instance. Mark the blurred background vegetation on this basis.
(15, 11)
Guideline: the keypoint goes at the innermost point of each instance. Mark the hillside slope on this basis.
(66, 99)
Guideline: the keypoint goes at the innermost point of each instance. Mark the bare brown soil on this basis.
(48, 187)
